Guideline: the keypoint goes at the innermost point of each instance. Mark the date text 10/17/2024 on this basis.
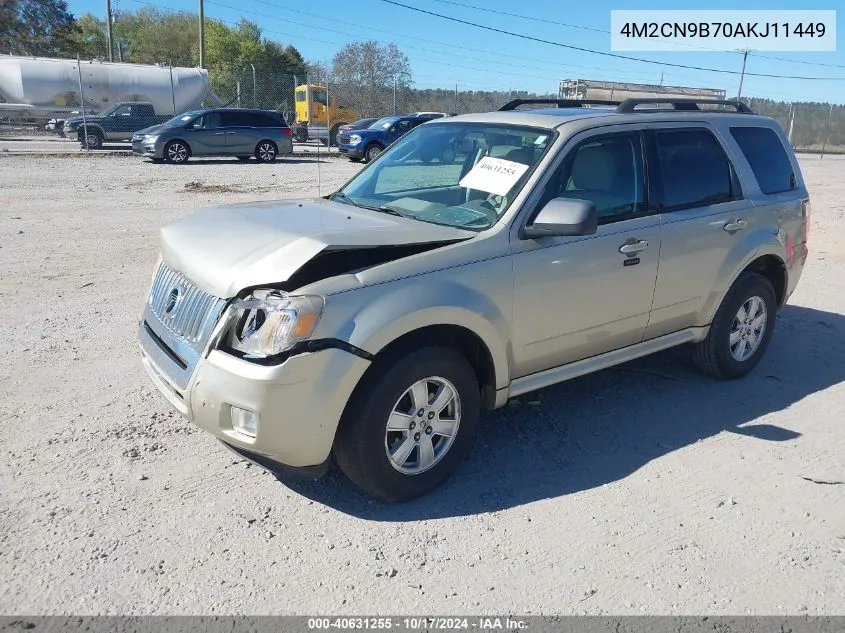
(418, 623)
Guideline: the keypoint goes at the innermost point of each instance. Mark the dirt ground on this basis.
(647, 488)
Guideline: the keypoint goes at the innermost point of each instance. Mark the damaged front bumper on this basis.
(297, 404)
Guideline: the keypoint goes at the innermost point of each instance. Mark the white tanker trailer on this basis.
(36, 87)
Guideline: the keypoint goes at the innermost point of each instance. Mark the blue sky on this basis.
(444, 53)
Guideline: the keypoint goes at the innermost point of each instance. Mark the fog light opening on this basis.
(244, 422)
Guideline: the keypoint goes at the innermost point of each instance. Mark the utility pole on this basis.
(661, 78)
(742, 75)
(108, 28)
(202, 35)
(456, 99)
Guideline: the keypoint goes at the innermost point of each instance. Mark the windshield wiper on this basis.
(388, 209)
(342, 197)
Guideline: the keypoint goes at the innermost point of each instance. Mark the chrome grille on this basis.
(343, 138)
(179, 305)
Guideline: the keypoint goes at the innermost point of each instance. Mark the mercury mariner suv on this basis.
(375, 326)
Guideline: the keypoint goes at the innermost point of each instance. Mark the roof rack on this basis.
(560, 103)
(629, 105)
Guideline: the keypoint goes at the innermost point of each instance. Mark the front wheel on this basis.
(94, 140)
(410, 424)
(176, 153)
(266, 151)
(372, 152)
(741, 329)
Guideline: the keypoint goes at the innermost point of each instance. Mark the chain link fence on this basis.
(811, 127)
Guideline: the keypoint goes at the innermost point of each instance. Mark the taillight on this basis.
(286, 131)
(806, 209)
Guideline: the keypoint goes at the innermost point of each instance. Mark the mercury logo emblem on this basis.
(172, 300)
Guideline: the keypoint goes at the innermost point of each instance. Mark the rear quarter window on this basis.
(268, 120)
(767, 157)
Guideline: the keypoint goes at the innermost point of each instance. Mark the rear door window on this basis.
(235, 118)
(767, 157)
(694, 169)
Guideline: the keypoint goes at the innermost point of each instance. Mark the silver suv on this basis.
(378, 324)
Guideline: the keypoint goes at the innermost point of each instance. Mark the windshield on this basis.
(181, 119)
(383, 124)
(462, 175)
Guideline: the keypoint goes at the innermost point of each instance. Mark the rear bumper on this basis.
(795, 267)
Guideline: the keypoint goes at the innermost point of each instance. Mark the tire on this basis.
(244, 159)
(95, 139)
(364, 441)
(372, 152)
(716, 355)
(177, 152)
(266, 152)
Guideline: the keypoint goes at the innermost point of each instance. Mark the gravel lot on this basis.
(643, 489)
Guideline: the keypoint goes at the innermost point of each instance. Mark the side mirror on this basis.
(563, 217)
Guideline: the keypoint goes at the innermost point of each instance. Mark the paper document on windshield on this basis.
(493, 175)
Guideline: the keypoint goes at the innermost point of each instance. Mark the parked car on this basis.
(117, 123)
(360, 124)
(429, 115)
(367, 143)
(263, 134)
(378, 324)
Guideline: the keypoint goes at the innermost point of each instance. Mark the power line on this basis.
(408, 46)
(604, 53)
(412, 37)
(797, 61)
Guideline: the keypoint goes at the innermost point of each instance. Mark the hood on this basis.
(77, 120)
(153, 129)
(229, 248)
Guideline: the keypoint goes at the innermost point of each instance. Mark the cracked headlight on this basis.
(270, 322)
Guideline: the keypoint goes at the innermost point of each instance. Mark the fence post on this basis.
(82, 101)
(172, 91)
(791, 123)
(254, 97)
(328, 117)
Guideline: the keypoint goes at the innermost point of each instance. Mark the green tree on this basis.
(37, 27)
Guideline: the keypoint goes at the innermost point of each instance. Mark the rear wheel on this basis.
(741, 329)
(372, 152)
(410, 424)
(266, 152)
(176, 152)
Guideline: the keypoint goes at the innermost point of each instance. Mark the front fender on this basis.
(413, 305)
(755, 244)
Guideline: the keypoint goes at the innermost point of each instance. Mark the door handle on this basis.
(735, 226)
(636, 247)
(219, 133)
